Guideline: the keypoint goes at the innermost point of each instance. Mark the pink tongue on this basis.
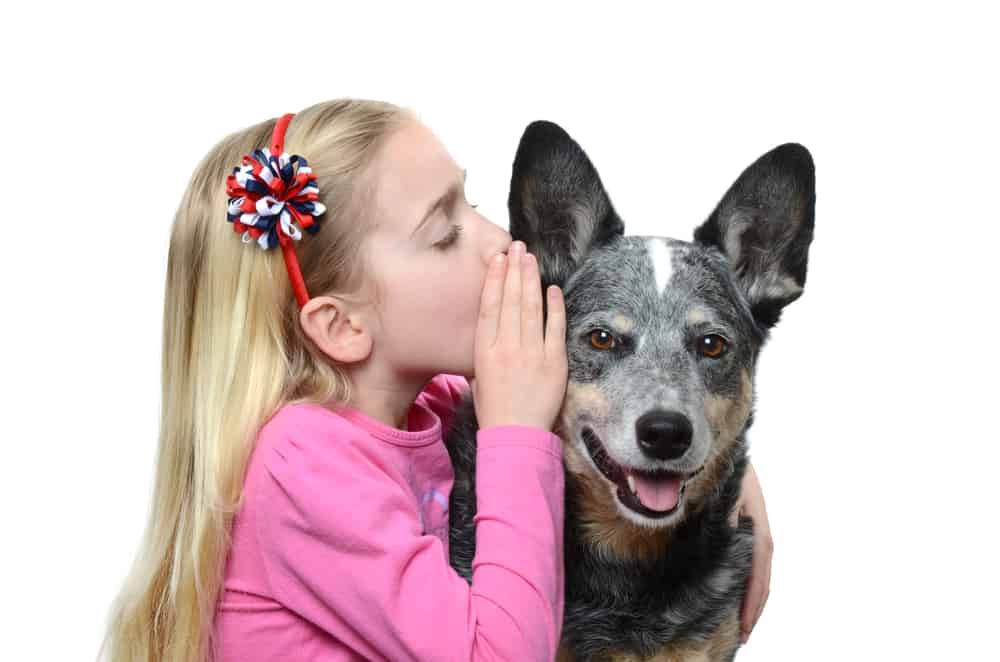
(657, 494)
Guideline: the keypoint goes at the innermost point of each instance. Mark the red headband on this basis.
(272, 194)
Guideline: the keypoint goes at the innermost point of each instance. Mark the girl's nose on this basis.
(500, 243)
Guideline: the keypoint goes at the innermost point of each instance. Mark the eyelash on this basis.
(450, 239)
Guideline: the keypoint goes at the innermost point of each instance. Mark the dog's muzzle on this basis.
(654, 494)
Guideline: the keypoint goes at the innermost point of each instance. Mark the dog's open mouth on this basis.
(654, 494)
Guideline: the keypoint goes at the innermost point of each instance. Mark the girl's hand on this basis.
(751, 503)
(520, 375)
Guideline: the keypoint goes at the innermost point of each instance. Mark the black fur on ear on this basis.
(558, 205)
(764, 225)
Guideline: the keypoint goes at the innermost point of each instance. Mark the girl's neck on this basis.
(384, 399)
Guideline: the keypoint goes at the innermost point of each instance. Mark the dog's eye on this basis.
(601, 339)
(712, 345)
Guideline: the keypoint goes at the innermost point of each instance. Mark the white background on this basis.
(876, 429)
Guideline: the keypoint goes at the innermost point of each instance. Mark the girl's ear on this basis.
(338, 331)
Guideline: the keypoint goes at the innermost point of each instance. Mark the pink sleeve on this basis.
(343, 547)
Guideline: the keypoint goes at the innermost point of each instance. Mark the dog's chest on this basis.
(685, 609)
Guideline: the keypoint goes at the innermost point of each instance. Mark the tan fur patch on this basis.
(564, 655)
(622, 324)
(611, 533)
(696, 316)
(582, 400)
(726, 638)
(726, 416)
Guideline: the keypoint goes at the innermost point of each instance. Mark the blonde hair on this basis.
(233, 354)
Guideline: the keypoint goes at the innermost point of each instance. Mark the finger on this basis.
(757, 588)
(510, 309)
(760, 607)
(752, 498)
(555, 325)
(744, 608)
(489, 303)
(762, 555)
(760, 580)
(765, 582)
(748, 616)
(531, 313)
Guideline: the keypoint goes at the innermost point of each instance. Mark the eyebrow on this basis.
(450, 192)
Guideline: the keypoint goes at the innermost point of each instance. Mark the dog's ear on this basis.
(764, 225)
(558, 205)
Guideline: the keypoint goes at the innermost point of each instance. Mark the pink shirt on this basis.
(340, 548)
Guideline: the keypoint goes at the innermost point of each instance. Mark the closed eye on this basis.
(449, 238)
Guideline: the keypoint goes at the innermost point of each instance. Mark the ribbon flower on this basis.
(271, 197)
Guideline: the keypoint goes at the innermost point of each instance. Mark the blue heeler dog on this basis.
(662, 340)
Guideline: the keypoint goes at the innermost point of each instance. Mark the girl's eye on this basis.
(712, 345)
(450, 238)
(601, 339)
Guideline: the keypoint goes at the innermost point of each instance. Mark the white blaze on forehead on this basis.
(659, 255)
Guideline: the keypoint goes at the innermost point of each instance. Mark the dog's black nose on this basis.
(664, 435)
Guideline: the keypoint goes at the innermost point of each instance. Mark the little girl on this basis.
(300, 504)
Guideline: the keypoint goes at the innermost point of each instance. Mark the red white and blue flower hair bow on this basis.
(272, 197)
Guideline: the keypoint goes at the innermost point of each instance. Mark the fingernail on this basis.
(518, 246)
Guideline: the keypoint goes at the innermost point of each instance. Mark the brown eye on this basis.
(601, 339)
(712, 345)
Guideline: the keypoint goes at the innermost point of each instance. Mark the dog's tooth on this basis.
(631, 484)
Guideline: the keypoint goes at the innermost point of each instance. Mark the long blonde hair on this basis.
(233, 354)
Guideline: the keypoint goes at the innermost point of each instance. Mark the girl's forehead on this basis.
(411, 171)
(413, 149)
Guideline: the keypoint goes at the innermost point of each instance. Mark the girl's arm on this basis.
(343, 547)
(751, 503)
